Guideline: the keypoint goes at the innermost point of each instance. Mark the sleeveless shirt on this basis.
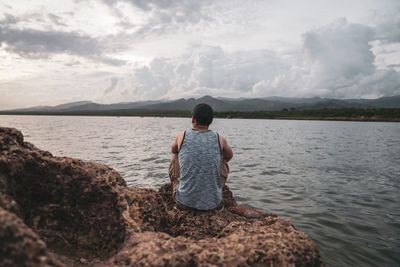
(200, 184)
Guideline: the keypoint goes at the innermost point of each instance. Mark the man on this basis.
(199, 169)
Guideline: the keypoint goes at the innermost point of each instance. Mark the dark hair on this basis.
(203, 114)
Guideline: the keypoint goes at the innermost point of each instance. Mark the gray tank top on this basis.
(199, 163)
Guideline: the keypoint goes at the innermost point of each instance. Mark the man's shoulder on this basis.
(180, 133)
(221, 137)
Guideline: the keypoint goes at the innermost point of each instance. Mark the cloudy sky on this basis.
(52, 52)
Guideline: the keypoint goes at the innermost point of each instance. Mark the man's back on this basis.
(198, 167)
(200, 183)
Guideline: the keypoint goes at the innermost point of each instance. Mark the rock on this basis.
(57, 211)
(20, 246)
(74, 206)
(83, 261)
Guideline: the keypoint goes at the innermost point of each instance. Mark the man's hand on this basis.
(226, 150)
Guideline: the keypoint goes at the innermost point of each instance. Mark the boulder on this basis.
(60, 211)
(20, 245)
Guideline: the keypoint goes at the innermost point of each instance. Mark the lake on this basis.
(337, 181)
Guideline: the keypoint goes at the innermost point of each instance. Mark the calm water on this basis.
(338, 181)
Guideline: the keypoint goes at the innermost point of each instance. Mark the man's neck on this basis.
(198, 127)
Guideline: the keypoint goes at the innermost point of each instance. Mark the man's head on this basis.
(202, 114)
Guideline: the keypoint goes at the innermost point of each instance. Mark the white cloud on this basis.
(337, 61)
(334, 61)
(205, 70)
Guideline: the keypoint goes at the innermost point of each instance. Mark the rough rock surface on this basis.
(58, 211)
(20, 246)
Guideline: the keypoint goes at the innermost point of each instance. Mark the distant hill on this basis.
(55, 108)
(383, 102)
(224, 104)
(88, 106)
(219, 104)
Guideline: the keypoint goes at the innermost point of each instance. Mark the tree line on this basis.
(373, 114)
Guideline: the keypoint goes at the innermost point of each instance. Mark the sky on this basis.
(109, 51)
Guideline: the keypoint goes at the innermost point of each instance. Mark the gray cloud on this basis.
(38, 18)
(9, 19)
(188, 7)
(394, 66)
(7, 6)
(16, 37)
(388, 30)
(35, 44)
(56, 20)
(113, 84)
(164, 16)
(338, 53)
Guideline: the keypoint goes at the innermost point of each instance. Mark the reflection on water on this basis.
(338, 181)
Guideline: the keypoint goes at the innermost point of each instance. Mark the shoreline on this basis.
(217, 115)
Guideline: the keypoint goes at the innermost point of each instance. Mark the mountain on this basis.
(88, 106)
(188, 104)
(383, 102)
(221, 104)
(72, 105)
(224, 104)
(332, 104)
(55, 108)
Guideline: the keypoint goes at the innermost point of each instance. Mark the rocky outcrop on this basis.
(58, 211)
(20, 246)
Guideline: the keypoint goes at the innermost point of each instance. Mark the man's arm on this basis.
(177, 143)
(174, 146)
(227, 152)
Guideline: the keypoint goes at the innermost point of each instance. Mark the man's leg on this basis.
(224, 171)
(174, 173)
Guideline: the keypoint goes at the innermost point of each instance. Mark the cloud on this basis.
(34, 44)
(334, 61)
(163, 16)
(227, 56)
(113, 84)
(206, 69)
(53, 87)
(388, 28)
(45, 19)
(9, 19)
(56, 20)
(383, 82)
(41, 34)
(150, 5)
(340, 49)
(332, 58)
